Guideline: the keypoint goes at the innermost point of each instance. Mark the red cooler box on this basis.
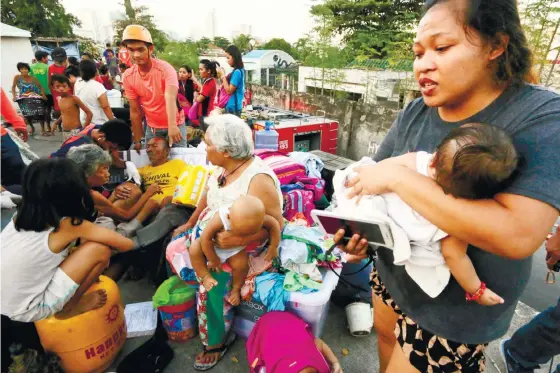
(305, 134)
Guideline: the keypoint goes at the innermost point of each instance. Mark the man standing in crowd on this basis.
(12, 163)
(151, 86)
(40, 70)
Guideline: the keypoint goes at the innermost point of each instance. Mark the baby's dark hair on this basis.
(53, 189)
(60, 78)
(475, 161)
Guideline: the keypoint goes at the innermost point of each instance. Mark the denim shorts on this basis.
(162, 132)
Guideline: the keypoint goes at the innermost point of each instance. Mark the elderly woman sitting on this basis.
(230, 147)
(95, 162)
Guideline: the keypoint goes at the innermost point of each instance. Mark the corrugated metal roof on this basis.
(256, 53)
(400, 65)
(7, 30)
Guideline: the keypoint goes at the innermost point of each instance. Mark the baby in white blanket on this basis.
(474, 161)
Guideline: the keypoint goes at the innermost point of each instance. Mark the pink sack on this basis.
(283, 166)
(193, 111)
(223, 97)
(314, 184)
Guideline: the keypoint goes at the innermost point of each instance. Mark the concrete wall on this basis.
(362, 126)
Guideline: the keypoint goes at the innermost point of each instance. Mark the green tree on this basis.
(373, 28)
(279, 44)
(181, 53)
(541, 23)
(203, 43)
(46, 18)
(140, 16)
(221, 42)
(243, 42)
(89, 46)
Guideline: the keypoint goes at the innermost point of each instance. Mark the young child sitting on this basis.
(70, 106)
(281, 342)
(245, 217)
(39, 279)
(474, 161)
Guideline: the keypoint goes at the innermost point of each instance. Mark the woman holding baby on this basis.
(229, 147)
(472, 62)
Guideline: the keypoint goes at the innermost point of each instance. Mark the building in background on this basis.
(367, 81)
(15, 47)
(269, 67)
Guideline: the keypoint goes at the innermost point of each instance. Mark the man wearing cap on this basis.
(151, 87)
(58, 67)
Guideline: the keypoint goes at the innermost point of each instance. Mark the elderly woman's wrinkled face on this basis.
(212, 154)
(100, 177)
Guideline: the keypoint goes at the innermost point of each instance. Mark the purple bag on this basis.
(193, 111)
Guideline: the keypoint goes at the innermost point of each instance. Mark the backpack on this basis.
(299, 201)
(313, 184)
(287, 170)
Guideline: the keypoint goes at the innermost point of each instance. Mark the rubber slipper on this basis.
(202, 367)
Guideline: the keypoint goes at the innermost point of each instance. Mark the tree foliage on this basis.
(243, 42)
(181, 53)
(46, 18)
(279, 44)
(373, 28)
(140, 16)
(541, 23)
(221, 42)
(203, 44)
(89, 46)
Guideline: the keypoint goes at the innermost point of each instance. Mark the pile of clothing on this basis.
(301, 254)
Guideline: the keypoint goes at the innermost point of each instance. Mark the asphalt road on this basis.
(537, 295)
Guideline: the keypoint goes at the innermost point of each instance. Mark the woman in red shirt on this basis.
(207, 95)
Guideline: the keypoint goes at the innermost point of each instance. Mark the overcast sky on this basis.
(266, 19)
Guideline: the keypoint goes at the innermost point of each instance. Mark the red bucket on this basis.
(180, 321)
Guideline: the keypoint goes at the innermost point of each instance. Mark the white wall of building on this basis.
(14, 50)
(369, 84)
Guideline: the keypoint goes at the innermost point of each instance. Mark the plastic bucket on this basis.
(360, 318)
(180, 321)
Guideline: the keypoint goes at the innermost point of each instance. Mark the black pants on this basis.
(11, 162)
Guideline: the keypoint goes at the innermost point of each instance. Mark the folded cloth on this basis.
(293, 251)
(132, 173)
(269, 290)
(296, 282)
(308, 269)
(313, 164)
(6, 202)
(309, 235)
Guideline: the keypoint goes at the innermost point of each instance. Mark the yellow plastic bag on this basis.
(190, 185)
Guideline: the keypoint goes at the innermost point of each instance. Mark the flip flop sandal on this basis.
(201, 367)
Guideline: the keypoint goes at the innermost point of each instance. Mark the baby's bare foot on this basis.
(209, 282)
(489, 298)
(234, 297)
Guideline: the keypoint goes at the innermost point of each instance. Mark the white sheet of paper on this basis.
(141, 319)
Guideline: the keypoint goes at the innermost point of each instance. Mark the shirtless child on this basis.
(70, 106)
(245, 217)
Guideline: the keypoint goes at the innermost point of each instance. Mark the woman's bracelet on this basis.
(477, 294)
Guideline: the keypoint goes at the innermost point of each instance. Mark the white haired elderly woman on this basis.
(230, 147)
(96, 162)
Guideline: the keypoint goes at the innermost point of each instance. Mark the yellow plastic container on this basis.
(190, 185)
(88, 343)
